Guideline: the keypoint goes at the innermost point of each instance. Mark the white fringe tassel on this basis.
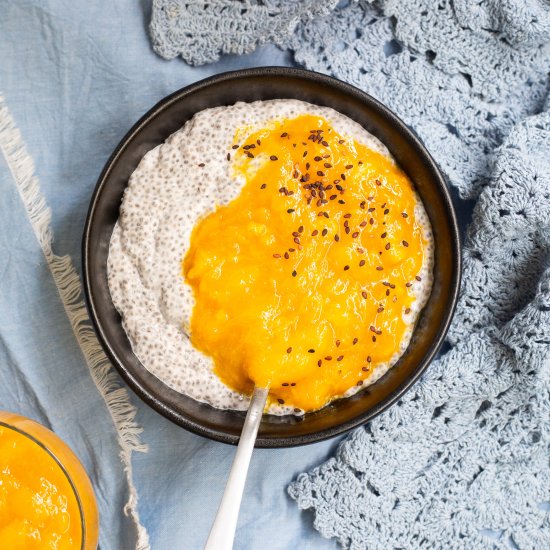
(70, 290)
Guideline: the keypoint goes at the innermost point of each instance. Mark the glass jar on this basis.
(46, 498)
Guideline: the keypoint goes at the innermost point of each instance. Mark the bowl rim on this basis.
(284, 441)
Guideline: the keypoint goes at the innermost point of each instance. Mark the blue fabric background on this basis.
(76, 76)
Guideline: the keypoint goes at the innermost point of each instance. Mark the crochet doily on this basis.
(462, 460)
(467, 448)
(201, 30)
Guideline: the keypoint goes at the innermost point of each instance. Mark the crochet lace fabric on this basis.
(200, 30)
(461, 461)
(467, 449)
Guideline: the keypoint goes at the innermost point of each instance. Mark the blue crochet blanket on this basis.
(462, 460)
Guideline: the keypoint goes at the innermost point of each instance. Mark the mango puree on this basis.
(39, 507)
(304, 282)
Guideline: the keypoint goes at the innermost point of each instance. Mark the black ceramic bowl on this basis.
(249, 85)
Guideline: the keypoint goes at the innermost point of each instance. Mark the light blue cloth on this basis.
(75, 76)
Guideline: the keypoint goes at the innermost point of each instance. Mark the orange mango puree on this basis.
(39, 508)
(301, 283)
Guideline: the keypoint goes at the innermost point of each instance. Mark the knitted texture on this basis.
(200, 30)
(464, 454)
(467, 448)
(460, 90)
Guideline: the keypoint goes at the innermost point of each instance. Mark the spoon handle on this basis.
(223, 530)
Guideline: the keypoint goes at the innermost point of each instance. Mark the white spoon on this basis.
(223, 529)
